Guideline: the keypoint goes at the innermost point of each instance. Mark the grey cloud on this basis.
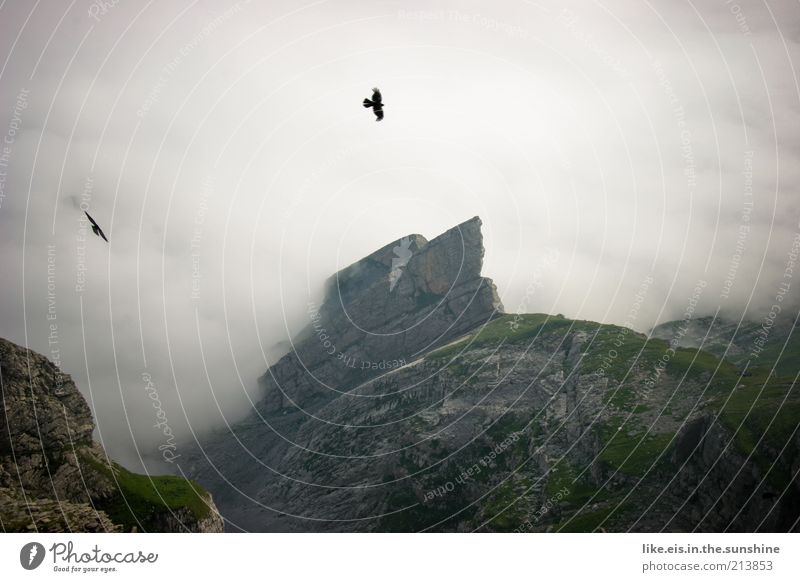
(557, 130)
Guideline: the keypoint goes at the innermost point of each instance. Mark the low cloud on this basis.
(224, 150)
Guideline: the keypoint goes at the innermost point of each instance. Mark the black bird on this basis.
(376, 103)
(95, 228)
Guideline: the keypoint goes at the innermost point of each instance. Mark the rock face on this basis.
(382, 311)
(48, 412)
(46, 515)
(54, 478)
(496, 422)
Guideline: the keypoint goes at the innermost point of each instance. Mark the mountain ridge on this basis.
(523, 422)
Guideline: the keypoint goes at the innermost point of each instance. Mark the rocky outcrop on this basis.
(53, 477)
(43, 409)
(385, 310)
(728, 490)
(184, 520)
(43, 515)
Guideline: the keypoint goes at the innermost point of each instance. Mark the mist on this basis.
(223, 149)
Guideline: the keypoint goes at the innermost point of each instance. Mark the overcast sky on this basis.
(223, 149)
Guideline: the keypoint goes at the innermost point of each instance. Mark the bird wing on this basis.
(376, 95)
(378, 113)
(90, 218)
(95, 227)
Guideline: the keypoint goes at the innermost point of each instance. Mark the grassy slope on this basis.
(751, 407)
(781, 350)
(140, 499)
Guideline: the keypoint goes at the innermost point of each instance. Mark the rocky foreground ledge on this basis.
(54, 478)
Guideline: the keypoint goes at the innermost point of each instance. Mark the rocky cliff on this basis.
(496, 422)
(385, 310)
(54, 478)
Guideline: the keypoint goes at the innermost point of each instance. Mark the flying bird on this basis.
(95, 227)
(376, 103)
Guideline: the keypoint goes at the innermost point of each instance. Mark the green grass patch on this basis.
(139, 500)
(771, 418)
(615, 350)
(702, 365)
(787, 364)
(765, 404)
(632, 455)
(505, 506)
(562, 476)
(511, 328)
(583, 522)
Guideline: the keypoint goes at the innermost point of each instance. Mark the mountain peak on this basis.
(396, 303)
